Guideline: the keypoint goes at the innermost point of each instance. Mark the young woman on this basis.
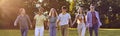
(23, 20)
(80, 18)
(52, 21)
(40, 19)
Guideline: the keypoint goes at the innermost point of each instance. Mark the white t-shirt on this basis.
(64, 19)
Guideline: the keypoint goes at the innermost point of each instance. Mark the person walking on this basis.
(64, 18)
(81, 21)
(93, 20)
(40, 20)
(23, 20)
(52, 21)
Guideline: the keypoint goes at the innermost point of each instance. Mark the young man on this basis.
(23, 20)
(40, 19)
(64, 18)
(93, 20)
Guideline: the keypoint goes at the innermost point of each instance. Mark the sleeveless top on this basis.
(80, 19)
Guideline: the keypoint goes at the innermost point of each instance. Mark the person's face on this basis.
(92, 8)
(80, 10)
(64, 10)
(53, 12)
(23, 11)
(40, 11)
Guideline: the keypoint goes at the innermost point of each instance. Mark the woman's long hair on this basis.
(20, 10)
(79, 9)
(53, 10)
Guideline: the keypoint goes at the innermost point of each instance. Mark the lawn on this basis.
(72, 32)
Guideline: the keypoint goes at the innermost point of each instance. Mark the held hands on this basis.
(72, 25)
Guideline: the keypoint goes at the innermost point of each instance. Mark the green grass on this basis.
(72, 32)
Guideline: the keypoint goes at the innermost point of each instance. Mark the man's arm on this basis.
(99, 20)
(70, 20)
(58, 20)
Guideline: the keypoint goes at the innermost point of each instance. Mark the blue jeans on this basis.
(81, 29)
(24, 31)
(52, 29)
(95, 29)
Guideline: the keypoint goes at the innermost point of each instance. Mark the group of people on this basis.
(90, 21)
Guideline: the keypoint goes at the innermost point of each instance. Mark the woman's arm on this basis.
(29, 21)
(16, 21)
(74, 21)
